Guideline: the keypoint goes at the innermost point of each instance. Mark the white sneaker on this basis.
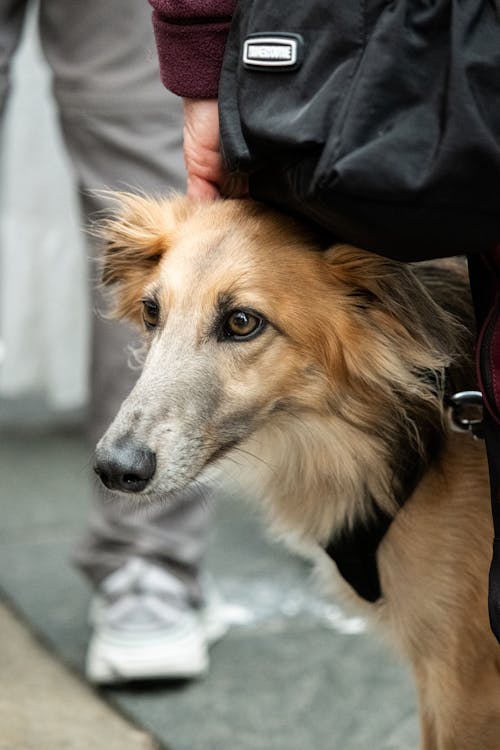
(144, 627)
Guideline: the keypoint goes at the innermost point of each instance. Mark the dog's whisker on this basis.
(255, 457)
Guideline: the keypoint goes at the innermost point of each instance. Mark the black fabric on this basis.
(354, 552)
(382, 129)
(354, 549)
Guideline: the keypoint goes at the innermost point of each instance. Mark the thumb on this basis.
(201, 189)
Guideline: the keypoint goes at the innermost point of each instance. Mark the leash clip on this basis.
(467, 412)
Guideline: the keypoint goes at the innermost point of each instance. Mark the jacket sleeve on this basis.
(190, 38)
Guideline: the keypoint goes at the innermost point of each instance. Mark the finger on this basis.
(201, 189)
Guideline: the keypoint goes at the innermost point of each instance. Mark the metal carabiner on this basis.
(460, 404)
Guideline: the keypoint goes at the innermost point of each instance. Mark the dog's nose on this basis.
(125, 466)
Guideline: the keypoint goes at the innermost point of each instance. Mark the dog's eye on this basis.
(150, 313)
(242, 324)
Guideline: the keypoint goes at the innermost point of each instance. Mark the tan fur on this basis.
(310, 415)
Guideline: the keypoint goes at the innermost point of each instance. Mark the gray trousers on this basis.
(122, 130)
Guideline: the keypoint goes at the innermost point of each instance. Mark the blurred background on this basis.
(44, 304)
(294, 670)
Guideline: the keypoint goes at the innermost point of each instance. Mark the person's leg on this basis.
(123, 131)
(12, 14)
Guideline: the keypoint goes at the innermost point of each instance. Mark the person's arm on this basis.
(191, 37)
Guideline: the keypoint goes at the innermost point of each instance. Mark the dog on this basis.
(320, 374)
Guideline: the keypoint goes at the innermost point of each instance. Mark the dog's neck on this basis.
(322, 479)
(315, 473)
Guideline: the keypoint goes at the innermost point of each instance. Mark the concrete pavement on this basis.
(45, 706)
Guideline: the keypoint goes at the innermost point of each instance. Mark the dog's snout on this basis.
(125, 466)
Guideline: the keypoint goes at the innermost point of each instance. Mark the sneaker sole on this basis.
(115, 657)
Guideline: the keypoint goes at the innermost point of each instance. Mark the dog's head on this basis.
(248, 321)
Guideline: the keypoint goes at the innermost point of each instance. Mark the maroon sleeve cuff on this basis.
(190, 56)
(191, 37)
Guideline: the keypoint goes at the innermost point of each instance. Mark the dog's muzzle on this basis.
(125, 465)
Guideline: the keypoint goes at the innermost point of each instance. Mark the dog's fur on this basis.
(323, 414)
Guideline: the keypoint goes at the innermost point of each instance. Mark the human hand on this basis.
(206, 176)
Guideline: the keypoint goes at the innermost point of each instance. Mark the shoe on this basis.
(145, 628)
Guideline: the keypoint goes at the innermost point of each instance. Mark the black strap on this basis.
(492, 438)
(354, 549)
(355, 553)
(485, 286)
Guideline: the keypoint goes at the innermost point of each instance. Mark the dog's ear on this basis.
(392, 304)
(134, 238)
(393, 291)
(396, 343)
